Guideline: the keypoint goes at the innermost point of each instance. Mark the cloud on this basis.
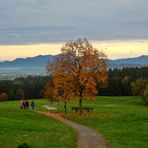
(38, 21)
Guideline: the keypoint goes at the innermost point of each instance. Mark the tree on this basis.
(48, 92)
(3, 96)
(77, 70)
(145, 95)
(139, 87)
(62, 90)
(125, 86)
(20, 93)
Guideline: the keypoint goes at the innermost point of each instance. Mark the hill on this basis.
(29, 65)
(37, 61)
(129, 62)
(37, 64)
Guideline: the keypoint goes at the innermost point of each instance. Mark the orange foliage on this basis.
(48, 92)
(125, 80)
(77, 70)
(3, 96)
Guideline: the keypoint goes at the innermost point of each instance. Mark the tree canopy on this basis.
(140, 87)
(77, 70)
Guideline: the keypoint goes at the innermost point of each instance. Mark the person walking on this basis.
(32, 105)
(24, 104)
(21, 104)
(27, 104)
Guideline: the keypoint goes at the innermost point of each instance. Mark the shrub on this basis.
(3, 96)
(23, 145)
(145, 95)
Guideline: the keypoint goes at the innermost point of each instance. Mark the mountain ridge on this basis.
(28, 61)
(129, 62)
(39, 63)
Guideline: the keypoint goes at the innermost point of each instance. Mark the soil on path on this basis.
(87, 137)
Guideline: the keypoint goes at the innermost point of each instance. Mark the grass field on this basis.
(24, 126)
(122, 120)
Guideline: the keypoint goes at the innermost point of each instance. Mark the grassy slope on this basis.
(18, 126)
(122, 120)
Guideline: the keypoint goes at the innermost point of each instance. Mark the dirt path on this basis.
(87, 138)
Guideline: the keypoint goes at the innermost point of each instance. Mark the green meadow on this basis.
(24, 126)
(123, 122)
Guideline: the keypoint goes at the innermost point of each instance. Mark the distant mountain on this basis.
(37, 61)
(129, 62)
(29, 66)
(34, 65)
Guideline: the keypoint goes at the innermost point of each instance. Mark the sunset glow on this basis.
(113, 49)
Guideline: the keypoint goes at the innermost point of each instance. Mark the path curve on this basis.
(87, 137)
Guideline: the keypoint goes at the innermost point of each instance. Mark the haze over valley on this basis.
(22, 67)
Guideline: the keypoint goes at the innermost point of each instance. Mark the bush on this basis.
(140, 87)
(145, 95)
(23, 145)
(3, 96)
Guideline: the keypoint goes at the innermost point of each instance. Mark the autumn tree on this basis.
(125, 85)
(61, 89)
(77, 70)
(48, 92)
(3, 96)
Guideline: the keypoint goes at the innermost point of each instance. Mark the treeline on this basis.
(32, 87)
(119, 81)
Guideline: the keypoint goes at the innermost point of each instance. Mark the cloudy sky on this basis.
(33, 24)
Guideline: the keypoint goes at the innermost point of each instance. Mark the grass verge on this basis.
(24, 126)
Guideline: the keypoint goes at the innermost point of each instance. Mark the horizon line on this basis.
(57, 54)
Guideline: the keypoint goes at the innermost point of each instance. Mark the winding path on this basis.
(87, 137)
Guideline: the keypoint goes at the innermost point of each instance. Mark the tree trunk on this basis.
(80, 106)
(65, 107)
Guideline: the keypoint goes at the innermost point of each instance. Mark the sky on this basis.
(33, 27)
